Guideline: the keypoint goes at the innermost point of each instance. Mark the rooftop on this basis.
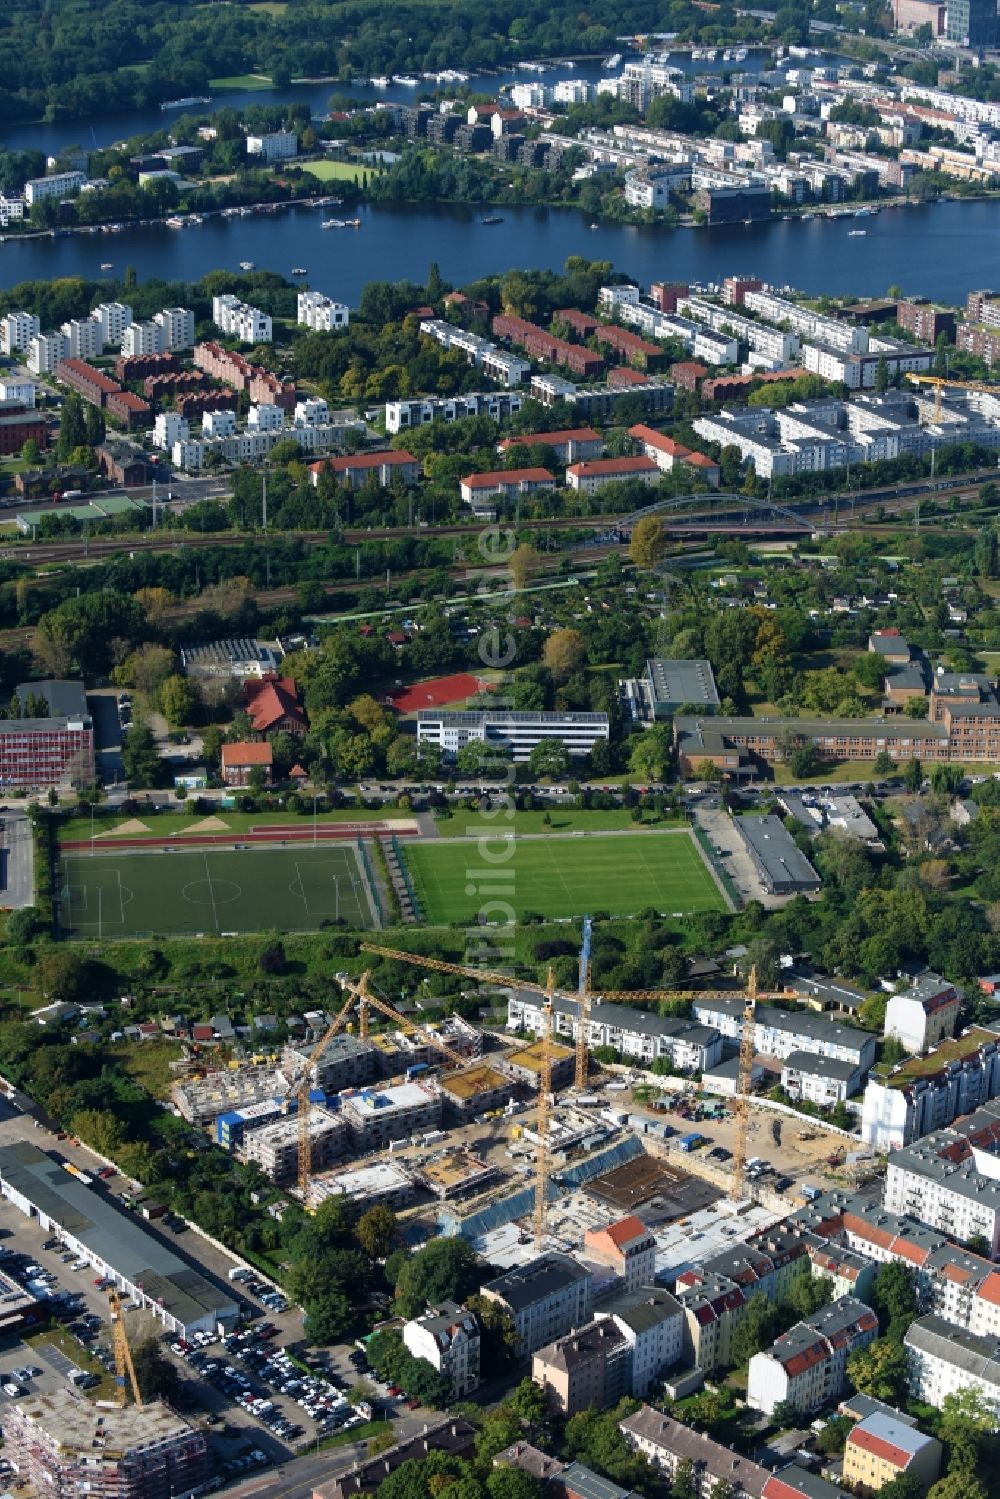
(580, 1483)
(947, 1341)
(78, 1426)
(472, 1080)
(820, 1066)
(957, 1049)
(682, 681)
(374, 1101)
(361, 1182)
(683, 1442)
(782, 859)
(526, 1285)
(532, 1056)
(597, 1338)
(643, 1309)
(890, 1438)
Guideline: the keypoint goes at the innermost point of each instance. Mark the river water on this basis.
(941, 250)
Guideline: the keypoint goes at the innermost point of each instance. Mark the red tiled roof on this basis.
(270, 700)
(658, 440)
(879, 1447)
(637, 465)
(363, 460)
(508, 476)
(624, 1231)
(247, 752)
(701, 460)
(990, 1288)
(572, 434)
(807, 1359)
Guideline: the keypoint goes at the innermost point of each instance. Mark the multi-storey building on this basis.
(91, 384)
(274, 145)
(477, 490)
(538, 344)
(321, 313)
(374, 1116)
(950, 1181)
(53, 751)
(944, 1359)
(62, 1445)
(239, 320)
(17, 329)
(46, 351)
(849, 337)
(588, 477)
(640, 1034)
(516, 734)
(923, 1015)
(627, 1247)
(358, 469)
(401, 416)
(500, 365)
(112, 318)
(779, 1033)
(546, 1298)
(569, 446)
(805, 1366)
(60, 185)
(585, 1368)
(652, 1324)
(448, 1338)
(917, 1098)
(668, 1444)
(925, 321)
(713, 1307)
(18, 427)
(775, 343)
(83, 338)
(882, 1448)
(821, 1080)
(274, 1147)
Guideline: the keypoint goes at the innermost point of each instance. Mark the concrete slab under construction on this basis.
(649, 1182)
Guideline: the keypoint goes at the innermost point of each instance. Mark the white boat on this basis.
(186, 103)
(614, 61)
(299, 270)
(404, 81)
(174, 222)
(107, 265)
(247, 265)
(334, 224)
(380, 82)
(856, 233)
(195, 218)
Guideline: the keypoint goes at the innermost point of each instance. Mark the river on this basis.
(940, 250)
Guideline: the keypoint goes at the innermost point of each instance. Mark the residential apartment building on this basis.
(546, 1298)
(923, 1015)
(568, 446)
(821, 1080)
(112, 318)
(274, 145)
(358, 469)
(666, 454)
(951, 1182)
(346, 1061)
(775, 343)
(583, 1369)
(917, 1099)
(11, 210)
(17, 329)
(626, 1247)
(500, 365)
(515, 734)
(882, 1448)
(500, 405)
(377, 1115)
(713, 1307)
(274, 1147)
(860, 371)
(944, 1359)
(538, 344)
(241, 763)
(18, 427)
(585, 478)
(779, 1033)
(849, 337)
(505, 483)
(240, 320)
(321, 314)
(448, 1337)
(668, 1444)
(639, 1034)
(60, 185)
(46, 351)
(805, 1367)
(651, 1321)
(83, 338)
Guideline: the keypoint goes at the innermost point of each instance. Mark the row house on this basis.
(538, 344)
(805, 1367)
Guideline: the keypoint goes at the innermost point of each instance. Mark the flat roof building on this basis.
(274, 1147)
(377, 1115)
(525, 1066)
(346, 1062)
(386, 1184)
(516, 734)
(546, 1298)
(778, 860)
(673, 685)
(474, 1090)
(114, 1243)
(62, 1446)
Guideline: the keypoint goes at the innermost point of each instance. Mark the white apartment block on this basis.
(820, 1080)
(652, 1324)
(860, 371)
(265, 419)
(505, 368)
(112, 318)
(650, 187)
(83, 336)
(321, 313)
(806, 1365)
(923, 1015)
(448, 1338)
(847, 337)
(240, 320)
(530, 95)
(254, 447)
(778, 1033)
(572, 91)
(403, 416)
(546, 1298)
(169, 428)
(11, 210)
(946, 1181)
(774, 342)
(377, 1115)
(513, 733)
(275, 145)
(143, 338)
(639, 1034)
(177, 324)
(62, 185)
(313, 412)
(18, 392)
(904, 1108)
(17, 329)
(46, 351)
(274, 1147)
(944, 1359)
(218, 423)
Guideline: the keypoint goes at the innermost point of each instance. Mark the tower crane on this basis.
(300, 1089)
(411, 1027)
(542, 1116)
(744, 1084)
(940, 385)
(123, 1353)
(583, 1012)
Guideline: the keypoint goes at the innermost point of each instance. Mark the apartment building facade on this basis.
(923, 1015)
(943, 1181)
(374, 1116)
(668, 1444)
(912, 1103)
(17, 329)
(639, 1034)
(402, 416)
(805, 1367)
(516, 734)
(321, 314)
(449, 1338)
(626, 1247)
(651, 1321)
(586, 1368)
(274, 1147)
(882, 1448)
(239, 320)
(779, 1033)
(943, 1359)
(546, 1298)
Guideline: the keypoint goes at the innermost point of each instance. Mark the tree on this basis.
(512, 1483)
(683, 1485)
(157, 1376)
(833, 1438)
(564, 653)
(444, 1270)
(958, 1485)
(178, 700)
(31, 454)
(913, 775)
(140, 757)
(549, 757)
(965, 1424)
(376, 1231)
(881, 377)
(883, 764)
(879, 1370)
(64, 976)
(809, 1293)
(894, 1296)
(524, 563)
(498, 1337)
(648, 543)
(757, 1330)
(650, 754)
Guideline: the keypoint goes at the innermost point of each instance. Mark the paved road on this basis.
(296, 1480)
(18, 862)
(103, 706)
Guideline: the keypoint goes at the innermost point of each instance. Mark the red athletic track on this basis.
(327, 832)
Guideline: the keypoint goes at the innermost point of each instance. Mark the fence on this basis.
(368, 875)
(404, 875)
(719, 869)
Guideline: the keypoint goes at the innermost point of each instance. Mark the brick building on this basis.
(17, 426)
(538, 344)
(273, 706)
(239, 761)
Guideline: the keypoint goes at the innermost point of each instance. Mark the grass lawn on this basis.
(169, 824)
(357, 1434)
(123, 893)
(563, 877)
(240, 83)
(149, 1064)
(617, 819)
(335, 171)
(60, 1339)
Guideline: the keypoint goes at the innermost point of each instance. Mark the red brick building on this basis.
(92, 385)
(233, 370)
(688, 373)
(538, 344)
(198, 403)
(630, 347)
(127, 410)
(925, 321)
(17, 425)
(239, 761)
(138, 366)
(273, 706)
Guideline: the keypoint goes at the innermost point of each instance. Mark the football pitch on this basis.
(214, 891)
(619, 873)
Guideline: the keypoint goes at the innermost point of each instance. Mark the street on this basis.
(18, 861)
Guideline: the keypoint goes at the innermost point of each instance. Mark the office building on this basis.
(60, 185)
(546, 1298)
(57, 750)
(514, 734)
(972, 23)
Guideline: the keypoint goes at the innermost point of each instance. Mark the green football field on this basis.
(620, 873)
(126, 893)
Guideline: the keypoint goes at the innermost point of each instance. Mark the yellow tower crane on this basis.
(301, 1087)
(940, 385)
(410, 1027)
(124, 1366)
(744, 1084)
(542, 1116)
(548, 990)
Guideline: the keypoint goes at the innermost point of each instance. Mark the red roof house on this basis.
(273, 706)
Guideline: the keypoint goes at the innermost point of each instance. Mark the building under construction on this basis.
(201, 1100)
(525, 1066)
(347, 1062)
(63, 1446)
(474, 1090)
(275, 1146)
